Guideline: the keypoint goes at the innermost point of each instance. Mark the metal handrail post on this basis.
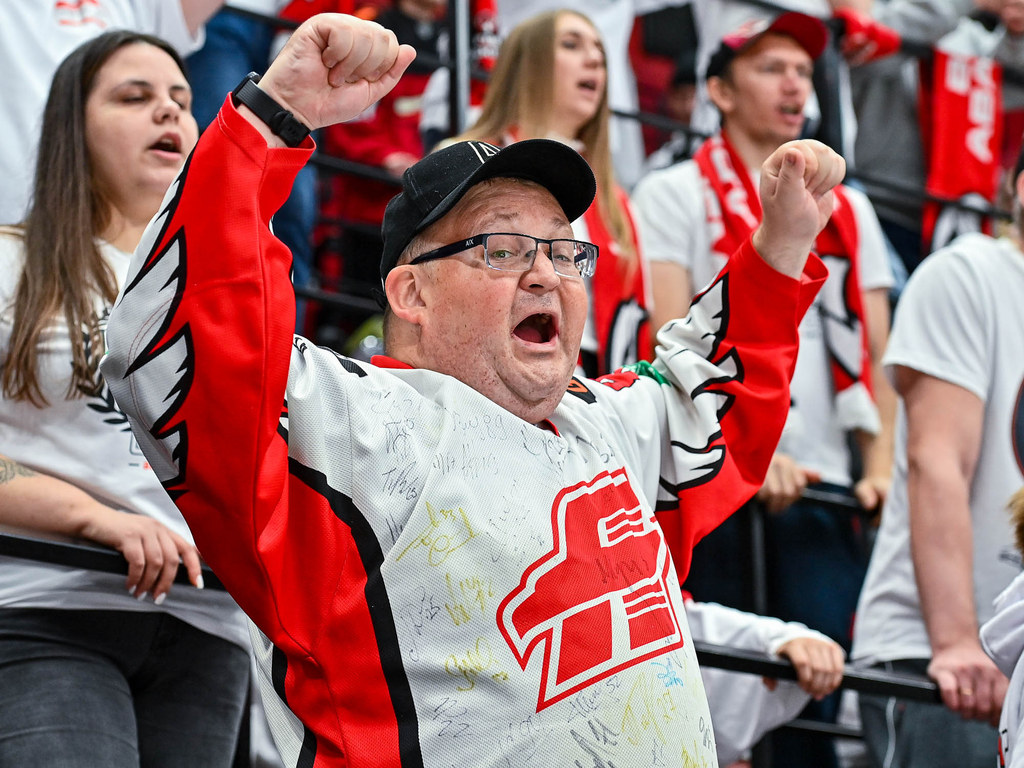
(459, 65)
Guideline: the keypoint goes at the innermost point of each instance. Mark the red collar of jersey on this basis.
(383, 361)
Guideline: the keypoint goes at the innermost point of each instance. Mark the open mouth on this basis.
(539, 328)
(167, 143)
(588, 85)
(790, 109)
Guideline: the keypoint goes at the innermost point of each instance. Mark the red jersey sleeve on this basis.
(200, 349)
(720, 386)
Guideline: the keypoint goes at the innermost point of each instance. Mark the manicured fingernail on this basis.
(160, 600)
(142, 596)
(199, 581)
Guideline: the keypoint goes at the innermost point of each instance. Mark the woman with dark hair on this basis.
(550, 81)
(92, 672)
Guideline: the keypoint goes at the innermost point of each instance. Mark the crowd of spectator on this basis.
(907, 396)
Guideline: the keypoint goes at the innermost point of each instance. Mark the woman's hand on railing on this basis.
(152, 550)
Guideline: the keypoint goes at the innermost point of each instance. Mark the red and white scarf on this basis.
(734, 211)
(618, 296)
(961, 110)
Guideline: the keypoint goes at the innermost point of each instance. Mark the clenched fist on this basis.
(796, 200)
(334, 67)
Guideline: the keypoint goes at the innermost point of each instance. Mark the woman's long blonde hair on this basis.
(520, 96)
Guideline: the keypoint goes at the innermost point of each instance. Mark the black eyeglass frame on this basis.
(472, 242)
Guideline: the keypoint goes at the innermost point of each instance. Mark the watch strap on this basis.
(281, 122)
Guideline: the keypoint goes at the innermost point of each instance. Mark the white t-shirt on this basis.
(960, 319)
(87, 442)
(672, 218)
(35, 37)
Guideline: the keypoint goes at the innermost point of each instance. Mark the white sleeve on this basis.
(940, 323)
(166, 19)
(714, 623)
(742, 707)
(670, 215)
(922, 20)
(872, 252)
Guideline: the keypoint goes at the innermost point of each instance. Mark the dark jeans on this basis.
(116, 689)
(234, 47)
(815, 569)
(911, 734)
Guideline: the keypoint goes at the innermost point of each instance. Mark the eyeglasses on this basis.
(511, 252)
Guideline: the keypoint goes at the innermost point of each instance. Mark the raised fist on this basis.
(796, 200)
(334, 67)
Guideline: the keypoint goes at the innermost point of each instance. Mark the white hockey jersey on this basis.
(436, 582)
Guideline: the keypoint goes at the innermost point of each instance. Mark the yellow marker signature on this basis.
(649, 707)
(472, 664)
(465, 594)
(447, 530)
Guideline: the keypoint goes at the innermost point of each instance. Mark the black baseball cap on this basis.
(434, 185)
(809, 32)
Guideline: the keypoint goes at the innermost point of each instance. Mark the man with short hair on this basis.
(691, 218)
(451, 554)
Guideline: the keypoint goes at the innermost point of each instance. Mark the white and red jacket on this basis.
(435, 581)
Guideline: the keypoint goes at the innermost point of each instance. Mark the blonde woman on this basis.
(550, 81)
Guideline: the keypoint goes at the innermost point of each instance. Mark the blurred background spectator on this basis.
(36, 36)
(945, 547)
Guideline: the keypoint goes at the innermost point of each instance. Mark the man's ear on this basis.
(1018, 187)
(721, 94)
(404, 288)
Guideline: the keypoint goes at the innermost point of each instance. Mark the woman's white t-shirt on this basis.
(87, 442)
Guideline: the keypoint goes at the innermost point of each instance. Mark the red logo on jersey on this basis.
(619, 380)
(599, 601)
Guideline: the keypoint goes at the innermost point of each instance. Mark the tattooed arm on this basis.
(40, 502)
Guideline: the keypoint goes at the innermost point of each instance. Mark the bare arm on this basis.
(877, 450)
(673, 289)
(198, 12)
(944, 429)
(40, 502)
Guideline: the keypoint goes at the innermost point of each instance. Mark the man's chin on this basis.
(540, 385)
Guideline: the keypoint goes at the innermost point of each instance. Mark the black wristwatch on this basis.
(280, 121)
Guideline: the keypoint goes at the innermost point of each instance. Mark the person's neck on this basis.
(416, 11)
(124, 231)
(751, 151)
(566, 127)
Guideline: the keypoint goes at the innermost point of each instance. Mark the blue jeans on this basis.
(234, 47)
(116, 689)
